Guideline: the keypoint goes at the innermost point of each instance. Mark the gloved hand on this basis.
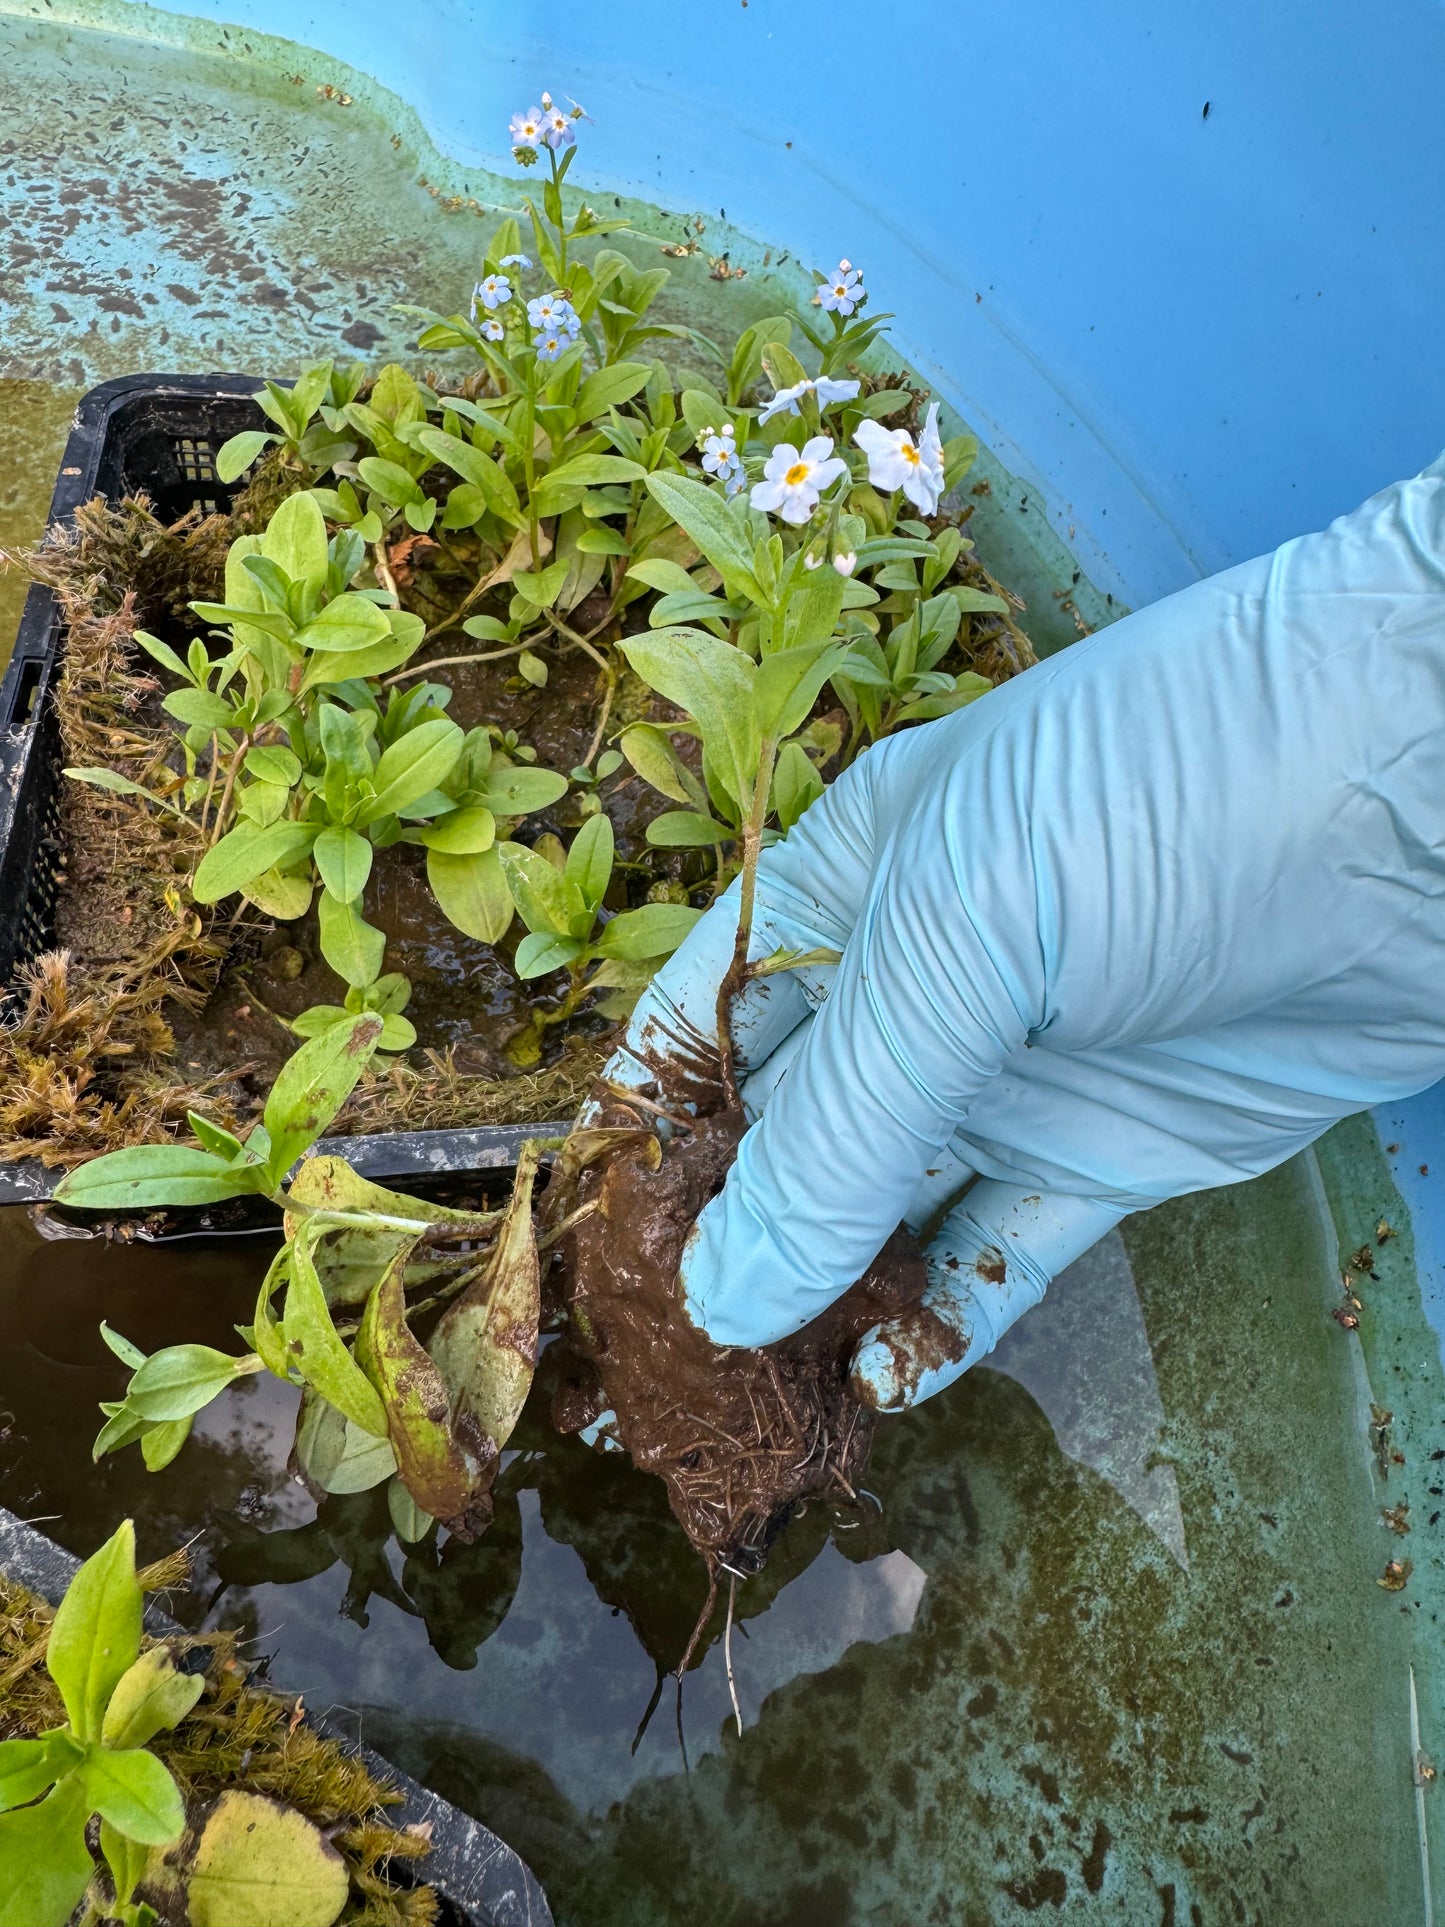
(1148, 918)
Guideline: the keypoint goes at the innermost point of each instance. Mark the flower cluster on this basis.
(794, 479)
(720, 457)
(843, 290)
(557, 324)
(547, 125)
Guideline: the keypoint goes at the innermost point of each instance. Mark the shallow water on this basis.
(1114, 1644)
(1114, 1648)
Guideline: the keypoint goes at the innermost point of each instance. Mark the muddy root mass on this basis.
(739, 1437)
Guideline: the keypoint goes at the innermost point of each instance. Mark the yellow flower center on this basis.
(797, 473)
(910, 453)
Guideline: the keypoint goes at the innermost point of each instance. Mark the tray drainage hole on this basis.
(198, 462)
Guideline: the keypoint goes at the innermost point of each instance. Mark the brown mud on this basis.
(740, 1438)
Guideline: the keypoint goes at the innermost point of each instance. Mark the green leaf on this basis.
(589, 861)
(705, 516)
(337, 1456)
(244, 852)
(347, 623)
(648, 750)
(159, 1444)
(668, 578)
(541, 587)
(464, 832)
(109, 779)
(687, 830)
(235, 456)
(127, 1861)
(788, 683)
(519, 791)
(151, 1697)
(713, 681)
(420, 761)
(174, 1383)
(397, 1033)
(796, 784)
(28, 1767)
(978, 601)
(95, 1636)
(542, 951)
(533, 669)
(691, 605)
(127, 1353)
(135, 1793)
(44, 1859)
(587, 471)
(472, 892)
(344, 860)
(408, 1520)
(394, 484)
(199, 709)
(271, 763)
(545, 900)
(146, 1175)
(283, 894)
(610, 387)
(428, 1459)
(653, 930)
(602, 540)
(316, 1349)
(477, 468)
(312, 1086)
(485, 1344)
(259, 1864)
(295, 540)
(353, 947)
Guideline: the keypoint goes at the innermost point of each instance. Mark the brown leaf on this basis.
(485, 1346)
(418, 1412)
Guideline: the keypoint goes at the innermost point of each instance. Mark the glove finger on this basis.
(990, 1263)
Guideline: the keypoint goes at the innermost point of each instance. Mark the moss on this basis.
(237, 1736)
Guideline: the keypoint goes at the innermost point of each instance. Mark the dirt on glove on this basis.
(739, 1437)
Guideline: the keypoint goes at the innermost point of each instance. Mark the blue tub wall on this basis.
(1194, 337)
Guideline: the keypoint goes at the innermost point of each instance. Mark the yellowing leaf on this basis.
(259, 1864)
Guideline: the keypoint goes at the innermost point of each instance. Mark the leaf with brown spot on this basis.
(485, 1346)
(418, 1412)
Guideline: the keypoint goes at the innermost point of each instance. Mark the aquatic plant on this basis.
(228, 1818)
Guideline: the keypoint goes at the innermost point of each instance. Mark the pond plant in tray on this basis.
(757, 566)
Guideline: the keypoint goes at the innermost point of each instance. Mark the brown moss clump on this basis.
(237, 1736)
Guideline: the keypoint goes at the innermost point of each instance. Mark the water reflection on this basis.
(1006, 1691)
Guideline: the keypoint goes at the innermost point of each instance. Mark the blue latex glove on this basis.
(1147, 919)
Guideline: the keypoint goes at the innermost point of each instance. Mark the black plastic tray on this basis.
(158, 433)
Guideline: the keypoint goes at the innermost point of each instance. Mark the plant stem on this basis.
(450, 662)
(735, 975)
(609, 669)
(383, 572)
(231, 774)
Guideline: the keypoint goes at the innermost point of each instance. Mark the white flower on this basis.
(794, 479)
(737, 481)
(516, 261)
(812, 561)
(556, 126)
(720, 454)
(492, 330)
(526, 129)
(825, 388)
(846, 563)
(493, 292)
(843, 289)
(895, 462)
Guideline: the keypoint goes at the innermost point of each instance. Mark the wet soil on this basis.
(740, 1438)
